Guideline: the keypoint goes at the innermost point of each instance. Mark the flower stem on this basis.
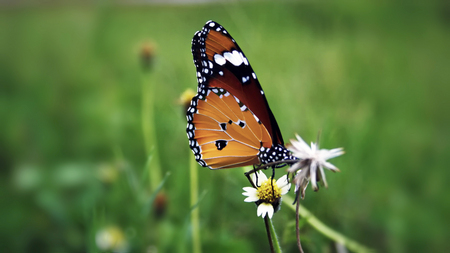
(266, 222)
(149, 131)
(196, 246)
(324, 229)
(297, 228)
(272, 235)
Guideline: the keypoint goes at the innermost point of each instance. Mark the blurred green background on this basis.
(374, 77)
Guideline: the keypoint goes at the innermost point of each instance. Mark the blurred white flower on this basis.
(111, 239)
(311, 164)
(267, 194)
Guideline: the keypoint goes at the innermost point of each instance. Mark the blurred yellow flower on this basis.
(107, 172)
(147, 55)
(186, 97)
(111, 239)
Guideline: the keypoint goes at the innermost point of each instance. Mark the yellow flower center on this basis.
(269, 191)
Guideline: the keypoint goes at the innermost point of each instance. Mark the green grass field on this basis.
(78, 127)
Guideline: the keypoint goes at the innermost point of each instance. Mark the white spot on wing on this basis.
(243, 58)
(235, 57)
(256, 118)
(219, 59)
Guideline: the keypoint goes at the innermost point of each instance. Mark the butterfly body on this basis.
(230, 123)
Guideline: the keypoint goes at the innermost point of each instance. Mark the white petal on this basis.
(270, 211)
(330, 166)
(261, 177)
(249, 191)
(284, 184)
(295, 167)
(265, 208)
(285, 189)
(313, 173)
(333, 153)
(313, 147)
(300, 143)
(322, 173)
(261, 210)
(282, 181)
(253, 177)
(251, 199)
(300, 148)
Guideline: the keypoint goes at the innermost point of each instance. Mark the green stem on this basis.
(324, 229)
(297, 227)
(196, 246)
(274, 237)
(269, 237)
(148, 128)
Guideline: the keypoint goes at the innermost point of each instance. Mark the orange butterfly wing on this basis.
(227, 135)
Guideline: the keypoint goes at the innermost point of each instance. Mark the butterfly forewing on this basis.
(216, 43)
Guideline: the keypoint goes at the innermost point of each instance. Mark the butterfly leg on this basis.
(248, 173)
(271, 181)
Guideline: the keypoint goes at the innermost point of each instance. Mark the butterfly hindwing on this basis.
(225, 135)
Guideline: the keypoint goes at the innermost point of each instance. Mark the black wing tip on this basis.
(213, 25)
(211, 21)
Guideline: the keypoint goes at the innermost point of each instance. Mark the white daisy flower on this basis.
(311, 164)
(267, 194)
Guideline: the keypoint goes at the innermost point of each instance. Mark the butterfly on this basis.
(230, 123)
